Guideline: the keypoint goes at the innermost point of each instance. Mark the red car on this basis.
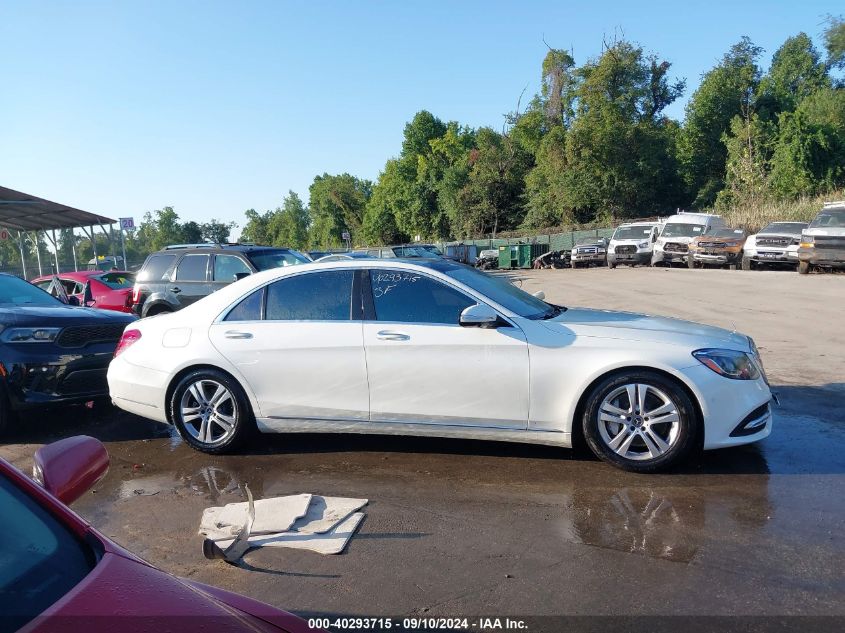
(59, 574)
(110, 290)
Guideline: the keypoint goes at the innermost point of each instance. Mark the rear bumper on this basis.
(139, 390)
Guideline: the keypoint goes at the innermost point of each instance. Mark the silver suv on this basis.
(823, 241)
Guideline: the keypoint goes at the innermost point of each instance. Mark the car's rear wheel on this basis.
(211, 411)
(640, 421)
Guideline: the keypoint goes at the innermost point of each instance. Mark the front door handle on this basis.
(387, 335)
(237, 334)
(176, 290)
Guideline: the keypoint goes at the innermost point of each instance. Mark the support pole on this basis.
(23, 258)
(73, 249)
(123, 249)
(55, 244)
(38, 253)
(94, 248)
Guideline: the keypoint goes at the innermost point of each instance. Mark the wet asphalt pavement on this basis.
(463, 528)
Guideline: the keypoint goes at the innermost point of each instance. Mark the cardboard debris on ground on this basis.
(311, 522)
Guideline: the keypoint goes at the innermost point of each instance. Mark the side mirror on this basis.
(540, 295)
(239, 276)
(67, 469)
(479, 315)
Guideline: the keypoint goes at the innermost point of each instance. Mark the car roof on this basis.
(205, 248)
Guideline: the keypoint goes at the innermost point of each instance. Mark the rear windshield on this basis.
(266, 260)
(117, 280)
(156, 266)
(16, 291)
(40, 559)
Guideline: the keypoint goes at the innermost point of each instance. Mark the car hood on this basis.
(635, 326)
(130, 595)
(776, 234)
(59, 316)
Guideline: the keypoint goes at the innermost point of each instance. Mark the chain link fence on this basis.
(556, 241)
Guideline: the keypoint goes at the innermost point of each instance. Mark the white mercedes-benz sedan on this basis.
(431, 347)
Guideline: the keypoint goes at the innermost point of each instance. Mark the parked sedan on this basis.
(394, 347)
(110, 290)
(60, 574)
(50, 352)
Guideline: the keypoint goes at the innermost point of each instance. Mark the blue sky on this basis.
(215, 107)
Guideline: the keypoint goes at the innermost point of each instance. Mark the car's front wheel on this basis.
(211, 411)
(640, 421)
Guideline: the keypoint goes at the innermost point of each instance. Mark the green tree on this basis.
(212, 231)
(725, 92)
(834, 42)
(256, 228)
(797, 71)
(289, 224)
(336, 205)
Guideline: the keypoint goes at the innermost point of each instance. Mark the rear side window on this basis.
(249, 309)
(192, 268)
(227, 266)
(156, 267)
(324, 296)
(409, 297)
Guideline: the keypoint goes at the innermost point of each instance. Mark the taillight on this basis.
(136, 295)
(127, 340)
(130, 299)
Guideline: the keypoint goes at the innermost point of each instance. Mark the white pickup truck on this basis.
(776, 244)
(672, 245)
(823, 241)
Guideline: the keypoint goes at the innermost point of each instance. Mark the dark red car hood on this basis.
(125, 594)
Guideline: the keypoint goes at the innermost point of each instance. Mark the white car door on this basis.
(298, 347)
(424, 367)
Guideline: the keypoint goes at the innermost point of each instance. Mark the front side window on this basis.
(402, 296)
(156, 267)
(40, 560)
(319, 296)
(192, 268)
(226, 267)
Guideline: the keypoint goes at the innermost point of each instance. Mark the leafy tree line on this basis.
(594, 145)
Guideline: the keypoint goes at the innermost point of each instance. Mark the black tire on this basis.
(690, 261)
(159, 309)
(235, 407)
(611, 264)
(803, 268)
(679, 439)
(747, 264)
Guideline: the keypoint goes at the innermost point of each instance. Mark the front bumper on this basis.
(717, 258)
(772, 256)
(728, 404)
(589, 258)
(41, 374)
(640, 257)
(668, 257)
(833, 257)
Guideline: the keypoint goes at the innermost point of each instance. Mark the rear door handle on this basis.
(387, 335)
(237, 334)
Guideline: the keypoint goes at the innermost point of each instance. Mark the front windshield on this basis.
(829, 219)
(16, 291)
(266, 260)
(40, 559)
(790, 228)
(735, 233)
(682, 230)
(502, 291)
(632, 233)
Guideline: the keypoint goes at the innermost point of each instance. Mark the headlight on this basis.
(600, 250)
(807, 241)
(643, 244)
(30, 334)
(796, 240)
(729, 363)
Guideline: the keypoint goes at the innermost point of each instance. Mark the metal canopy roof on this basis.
(24, 212)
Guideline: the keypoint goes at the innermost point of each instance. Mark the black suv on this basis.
(178, 275)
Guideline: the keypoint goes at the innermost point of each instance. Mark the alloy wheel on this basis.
(638, 422)
(209, 411)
